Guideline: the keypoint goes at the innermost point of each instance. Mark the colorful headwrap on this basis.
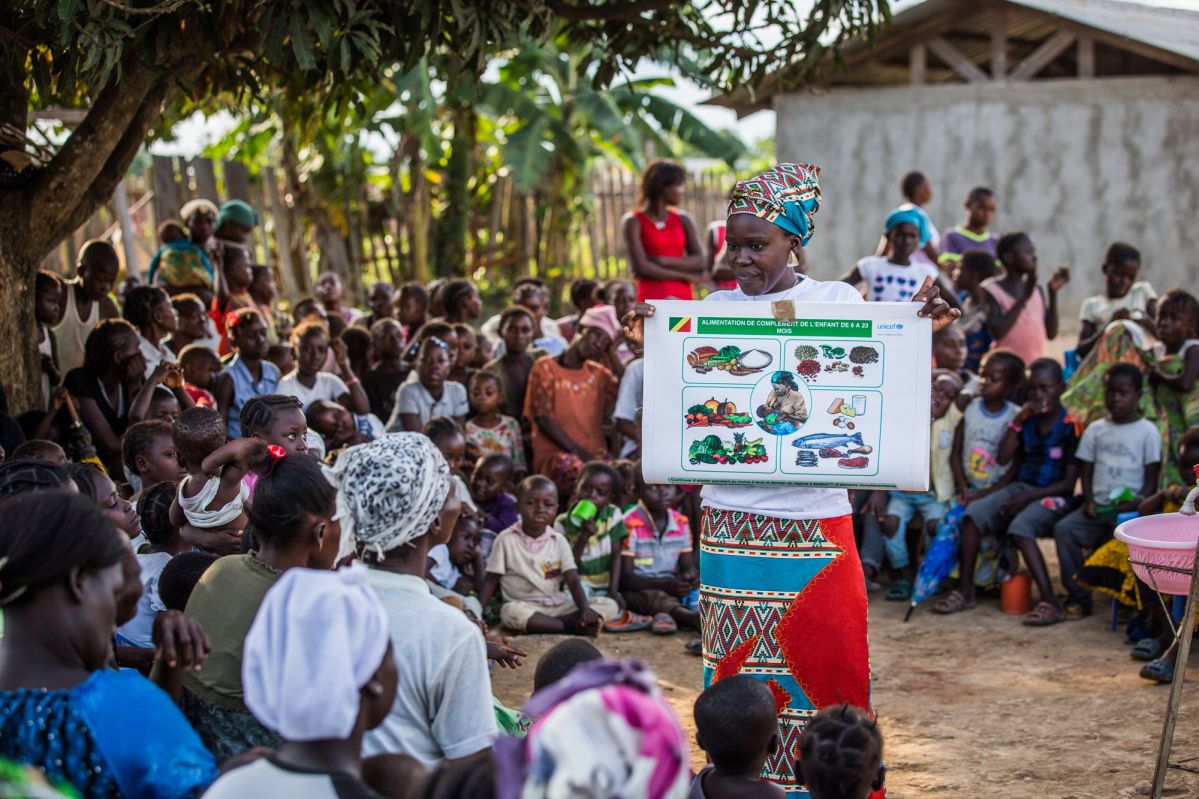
(317, 638)
(389, 491)
(909, 216)
(603, 732)
(786, 196)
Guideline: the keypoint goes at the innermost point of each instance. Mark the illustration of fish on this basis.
(828, 441)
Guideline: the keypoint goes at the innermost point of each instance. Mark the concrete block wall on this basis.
(1077, 164)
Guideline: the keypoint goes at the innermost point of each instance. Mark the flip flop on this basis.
(1158, 671)
(900, 591)
(628, 622)
(1146, 649)
(954, 602)
(1044, 614)
(663, 624)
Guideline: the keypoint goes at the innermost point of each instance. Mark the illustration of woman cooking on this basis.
(785, 409)
(782, 597)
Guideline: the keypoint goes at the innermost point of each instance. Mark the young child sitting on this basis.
(384, 379)
(447, 562)
(1177, 357)
(200, 367)
(488, 431)
(1123, 297)
(1120, 458)
(1021, 315)
(429, 392)
(975, 267)
(163, 542)
(841, 755)
(894, 278)
(309, 383)
(39, 449)
(340, 428)
(977, 472)
(949, 352)
(497, 507)
(535, 569)
(47, 288)
(658, 576)
(276, 420)
(736, 723)
(975, 233)
(902, 506)
(212, 495)
(249, 374)
(1041, 439)
(148, 452)
(594, 526)
(412, 307)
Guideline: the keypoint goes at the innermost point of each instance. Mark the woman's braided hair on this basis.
(840, 753)
(21, 475)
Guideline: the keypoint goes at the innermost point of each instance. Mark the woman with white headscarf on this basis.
(395, 502)
(318, 671)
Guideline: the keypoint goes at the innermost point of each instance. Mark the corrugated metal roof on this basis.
(1171, 31)
(1174, 30)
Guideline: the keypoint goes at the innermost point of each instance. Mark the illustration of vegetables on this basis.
(832, 352)
(717, 414)
(808, 369)
(863, 355)
(711, 450)
(806, 352)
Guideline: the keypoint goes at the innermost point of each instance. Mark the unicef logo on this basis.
(899, 325)
(890, 326)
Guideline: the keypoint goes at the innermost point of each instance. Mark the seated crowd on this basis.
(203, 462)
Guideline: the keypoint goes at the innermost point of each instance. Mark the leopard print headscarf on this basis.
(389, 491)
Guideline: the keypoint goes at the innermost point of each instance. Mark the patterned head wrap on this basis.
(786, 196)
(603, 731)
(389, 491)
(909, 216)
(317, 638)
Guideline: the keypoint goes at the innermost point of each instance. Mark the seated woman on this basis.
(291, 519)
(61, 708)
(784, 410)
(318, 670)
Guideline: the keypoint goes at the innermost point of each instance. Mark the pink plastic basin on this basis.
(1166, 540)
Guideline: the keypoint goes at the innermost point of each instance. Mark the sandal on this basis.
(1076, 612)
(663, 624)
(1158, 671)
(628, 622)
(694, 647)
(1146, 649)
(900, 591)
(1044, 615)
(954, 602)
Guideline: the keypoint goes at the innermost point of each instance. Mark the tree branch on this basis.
(56, 191)
(104, 182)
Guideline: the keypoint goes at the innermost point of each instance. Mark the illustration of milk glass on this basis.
(859, 404)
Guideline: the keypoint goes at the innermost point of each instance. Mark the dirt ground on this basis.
(976, 705)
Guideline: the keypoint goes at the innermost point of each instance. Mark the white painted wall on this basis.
(1076, 164)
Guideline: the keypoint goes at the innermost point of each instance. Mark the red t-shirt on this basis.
(669, 241)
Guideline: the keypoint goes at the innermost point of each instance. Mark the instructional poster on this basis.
(820, 394)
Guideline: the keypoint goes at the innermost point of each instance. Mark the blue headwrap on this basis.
(909, 216)
(786, 196)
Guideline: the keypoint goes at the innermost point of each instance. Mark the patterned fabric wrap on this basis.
(784, 601)
(787, 196)
(389, 491)
(603, 732)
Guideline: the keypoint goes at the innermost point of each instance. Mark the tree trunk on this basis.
(20, 368)
(452, 226)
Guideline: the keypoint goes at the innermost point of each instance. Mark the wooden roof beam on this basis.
(1043, 56)
(999, 42)
(957, 60)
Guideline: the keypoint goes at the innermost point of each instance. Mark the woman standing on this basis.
(782, 597)
(664, 250)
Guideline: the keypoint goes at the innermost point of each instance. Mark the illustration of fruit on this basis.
(714, 413)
